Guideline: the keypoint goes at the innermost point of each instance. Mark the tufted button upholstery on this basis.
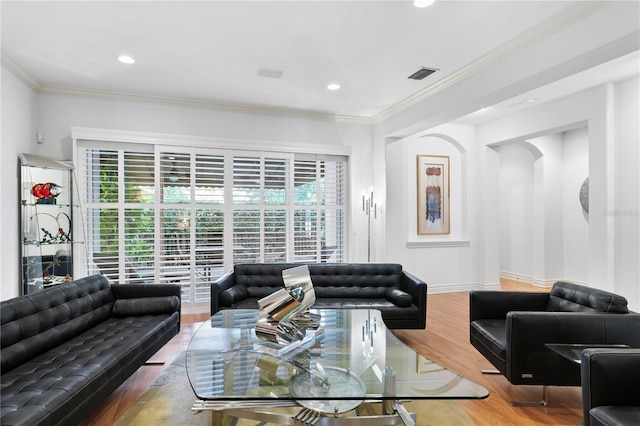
(39, 322)
(400, 297)
(63, 351)
(51, 379)
(570, 297)
(512, 329)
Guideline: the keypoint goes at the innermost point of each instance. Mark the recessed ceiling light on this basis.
(126, 59)
(333, 86)
(423, 3)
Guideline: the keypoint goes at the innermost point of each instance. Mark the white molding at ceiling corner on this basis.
(131, 136)
(571, 14)
(20, 73)
(566, 17)
(40, 88)
(244, 108)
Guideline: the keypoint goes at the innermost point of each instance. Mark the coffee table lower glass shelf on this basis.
(352, 359)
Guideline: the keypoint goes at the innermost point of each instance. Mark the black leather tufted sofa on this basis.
(511, 329)
(610, 387)
(66, 348)
(399, 296)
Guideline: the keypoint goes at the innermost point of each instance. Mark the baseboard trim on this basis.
(526, 279)
(456, 288)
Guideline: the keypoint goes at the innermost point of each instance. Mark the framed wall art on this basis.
(433, 195)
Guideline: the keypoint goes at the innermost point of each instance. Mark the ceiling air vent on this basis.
(422, 73)
(264, 72)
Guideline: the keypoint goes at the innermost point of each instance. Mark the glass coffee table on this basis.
(350, 360)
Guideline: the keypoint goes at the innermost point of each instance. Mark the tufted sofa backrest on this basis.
(33, 324)
(329, 279)
(570, 297)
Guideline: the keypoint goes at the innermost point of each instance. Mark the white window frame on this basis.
(113, 139)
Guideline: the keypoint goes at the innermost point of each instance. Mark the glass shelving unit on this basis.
(48, 235)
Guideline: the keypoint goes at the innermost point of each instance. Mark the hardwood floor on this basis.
(445, 341)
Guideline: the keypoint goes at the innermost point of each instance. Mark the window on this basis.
(160, 214)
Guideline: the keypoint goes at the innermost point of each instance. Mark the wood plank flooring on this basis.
(445, 341)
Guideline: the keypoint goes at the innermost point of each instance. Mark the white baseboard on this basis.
(526, 279)
(454, 288)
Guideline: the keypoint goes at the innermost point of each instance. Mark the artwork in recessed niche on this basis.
(433, 194)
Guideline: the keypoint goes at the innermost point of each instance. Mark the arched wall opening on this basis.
(516, 210)
(543, 231)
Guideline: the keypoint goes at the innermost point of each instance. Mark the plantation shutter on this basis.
(260, 216)
(319, 211)
(161, 214)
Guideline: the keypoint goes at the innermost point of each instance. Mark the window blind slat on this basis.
(161, 216)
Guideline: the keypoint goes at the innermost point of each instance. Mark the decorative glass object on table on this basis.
(48, 233)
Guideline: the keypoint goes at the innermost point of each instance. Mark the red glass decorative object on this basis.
(45, 190)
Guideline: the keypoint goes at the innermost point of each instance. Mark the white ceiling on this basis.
(210, 52)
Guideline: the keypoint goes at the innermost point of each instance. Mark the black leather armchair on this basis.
(611, 387)
(511, 330)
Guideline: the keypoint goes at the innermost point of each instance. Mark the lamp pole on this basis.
(368, 206)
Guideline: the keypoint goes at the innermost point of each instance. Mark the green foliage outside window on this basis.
(140, 225)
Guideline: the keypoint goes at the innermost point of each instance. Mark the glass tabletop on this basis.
(350, 357)
(573, 351)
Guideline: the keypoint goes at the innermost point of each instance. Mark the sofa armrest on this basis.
(418, 291)
(496, 304)
(223, 283)
(527, 331)
(609, 377)
(527, 334)
(133, 291)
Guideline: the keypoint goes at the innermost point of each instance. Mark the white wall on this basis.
(544, 235)
(610, 260)
(447, 262)
(593, 133)
(548, 221)
(626, 205)
(19, 117)
(575, 222)
(57, 114)
(515, 211)
(469, 257)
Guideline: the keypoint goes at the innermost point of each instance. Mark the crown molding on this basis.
(200, 103)
(566, 17)
(20, 73)
(40, 88)
(171, 139)
(571, 14)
